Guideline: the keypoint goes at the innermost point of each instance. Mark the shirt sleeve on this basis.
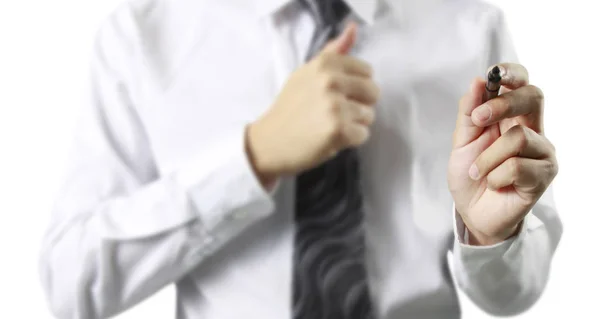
(120, 230)
(509, 277)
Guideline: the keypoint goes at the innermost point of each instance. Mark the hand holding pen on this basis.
(501, 162)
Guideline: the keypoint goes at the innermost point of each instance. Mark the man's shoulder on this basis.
(140, 19)
(474, 10)
(426, 12)
(150, 30)
(129, 16)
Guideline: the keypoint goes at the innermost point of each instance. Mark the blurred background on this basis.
(44, 52)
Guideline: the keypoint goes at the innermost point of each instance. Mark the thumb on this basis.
(344, 42)
(466, 132)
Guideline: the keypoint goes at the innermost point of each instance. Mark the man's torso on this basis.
(199, 67)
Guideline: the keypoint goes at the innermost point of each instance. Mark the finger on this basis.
(518, 141)
(527, 100)
(360, 113)
(344, 42)
(513, 75)
(466, 131)
(361, 89)
(522, 172)
(354, 66)
(331, 62)
(355, 134)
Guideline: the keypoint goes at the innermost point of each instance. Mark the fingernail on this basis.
(474, 172)
(483, 113)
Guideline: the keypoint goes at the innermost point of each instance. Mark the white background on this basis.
(44, 50)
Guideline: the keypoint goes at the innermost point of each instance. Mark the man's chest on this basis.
(230, 77)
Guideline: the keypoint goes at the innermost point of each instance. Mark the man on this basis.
(303, 159)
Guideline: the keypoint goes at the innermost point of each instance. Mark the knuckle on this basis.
(546, 175)
(550, 148)
(536, 93)
(525, 72)
(328, 81)
(336, 133)
(370, 116)
(515, 166)
(334, 106)
(555, 168)
(324, 61)
(520, 137)
(365, 136)
(366, 116)
(334, 114)
(359, 135)
(552, 168)
(493, 182)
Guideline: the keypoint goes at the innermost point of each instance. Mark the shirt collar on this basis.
(364, 9)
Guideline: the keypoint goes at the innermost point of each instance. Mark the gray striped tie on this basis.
(329, 269)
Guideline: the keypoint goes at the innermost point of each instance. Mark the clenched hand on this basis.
(325, 106)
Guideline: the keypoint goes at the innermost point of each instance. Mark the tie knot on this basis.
(327, 13)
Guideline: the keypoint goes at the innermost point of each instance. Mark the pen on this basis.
(492, 87)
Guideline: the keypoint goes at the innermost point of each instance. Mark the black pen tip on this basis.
(494, 75)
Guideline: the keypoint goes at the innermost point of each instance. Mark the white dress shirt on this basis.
(160, 191)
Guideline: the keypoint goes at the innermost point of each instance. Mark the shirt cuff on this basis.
(476, 256)
(224, 189)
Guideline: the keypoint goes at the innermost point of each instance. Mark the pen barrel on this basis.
(491, 91)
